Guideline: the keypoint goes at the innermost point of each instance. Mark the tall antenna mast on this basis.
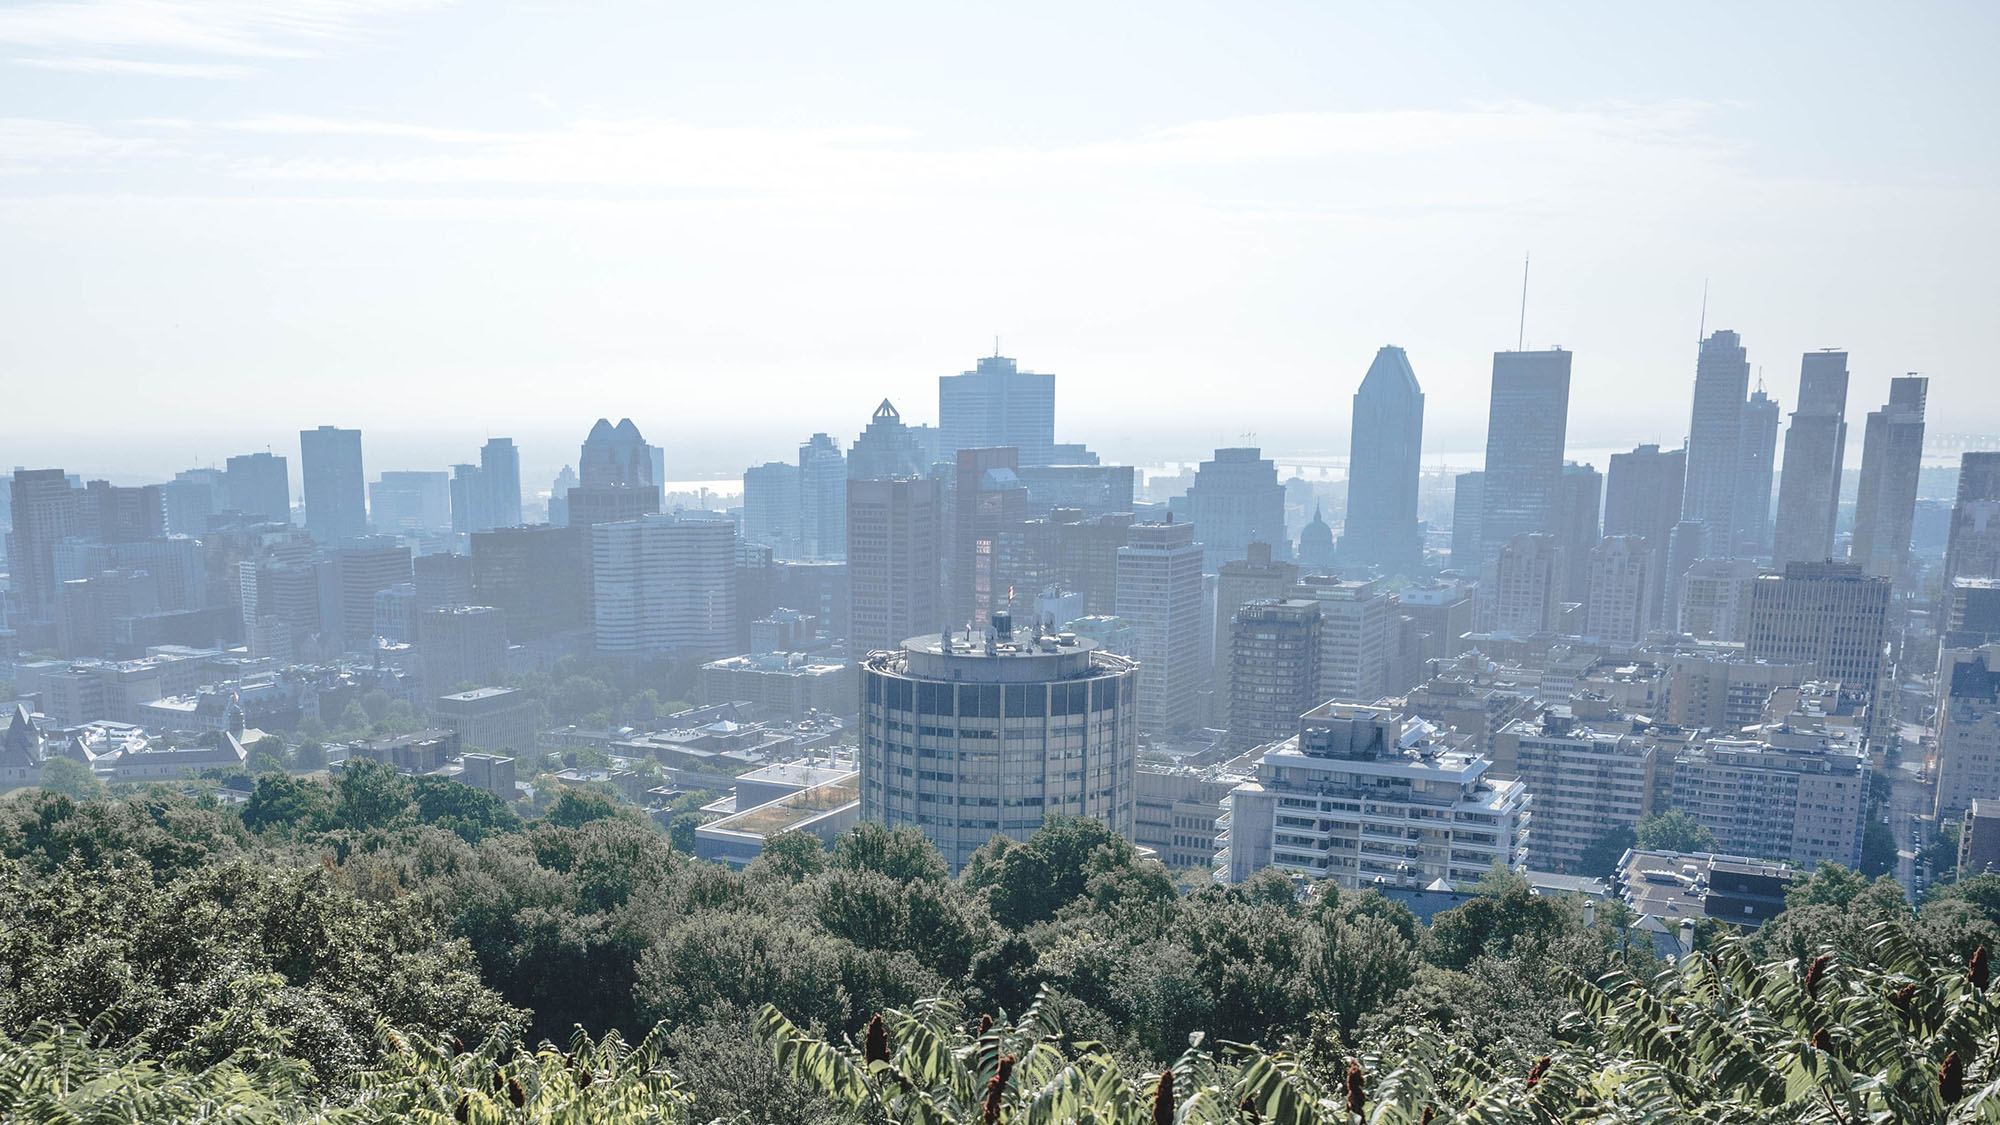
(1702, 332)
(1520, 340)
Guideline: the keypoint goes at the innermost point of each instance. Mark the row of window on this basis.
(992, 701)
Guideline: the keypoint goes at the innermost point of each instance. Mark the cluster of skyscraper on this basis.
(1021, 619)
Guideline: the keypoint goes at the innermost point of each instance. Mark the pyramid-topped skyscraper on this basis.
(1384, 459)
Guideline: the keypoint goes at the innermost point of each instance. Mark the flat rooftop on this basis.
(477, 694)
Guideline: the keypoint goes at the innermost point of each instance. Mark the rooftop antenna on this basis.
(1520, 340)
(996, 347)
(1702, 332)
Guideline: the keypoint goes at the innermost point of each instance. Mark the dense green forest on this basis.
(381, 948)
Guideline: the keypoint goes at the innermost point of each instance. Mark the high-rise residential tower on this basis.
(1892, 455)
(1527, 424)
(1358, 637)
(1715, 435)
(1274, 675)
(1619, 606)
(822, 499)
(1160, 596)
(1815, 445)
(500, 472)
(1642, 497)
(1255, 577)
(1579, 525)
(1757, 458)
(336, 504)
(895, 543)
(1385, 455)
(1527, 585)
(998, 404)
(665, 584)
(1968, 734)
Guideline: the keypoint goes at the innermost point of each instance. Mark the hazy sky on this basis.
(238, 217)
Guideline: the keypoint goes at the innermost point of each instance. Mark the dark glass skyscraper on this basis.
(1815, 445)
(1715, 435)
(1527, 424)
(1892, 454)
(1757, 458)
(1579, 526)
(500, 473)
(1385, 456)
(330, 462)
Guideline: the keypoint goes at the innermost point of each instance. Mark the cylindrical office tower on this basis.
(970, 735)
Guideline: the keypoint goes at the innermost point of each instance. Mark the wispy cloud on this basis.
(1484, 156)
(302, 125)
(128, 36)
(1256, 168)
(28, 145)
(87, 64)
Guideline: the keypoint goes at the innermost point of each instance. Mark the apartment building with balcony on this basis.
(1367, 796)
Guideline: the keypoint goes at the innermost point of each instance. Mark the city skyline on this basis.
(737, 537)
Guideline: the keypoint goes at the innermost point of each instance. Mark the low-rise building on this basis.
(1471, 702)
(159, 761)
(270, 701)
(424, 751)
(1178, 808)
(1979, 838)
(1673, 887)
(491, 772)
(825, 809)
(783, 683)
(1635, 687)
(490, 718)
(1723, 689)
